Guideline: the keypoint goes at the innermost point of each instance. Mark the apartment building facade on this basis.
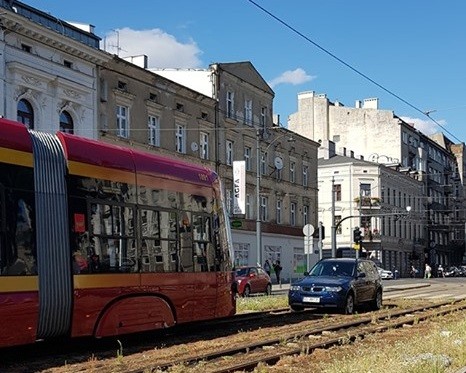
(286, 162)
(382, 137)
(55, 77)
(48, 70)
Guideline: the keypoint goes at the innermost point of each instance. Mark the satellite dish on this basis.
(278, 162)
(194, 147)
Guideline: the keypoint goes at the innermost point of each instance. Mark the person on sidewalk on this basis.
(277, 268)
(440, 271)
(427, 271)
(267, 267)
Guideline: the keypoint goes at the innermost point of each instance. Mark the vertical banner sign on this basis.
(239, 187)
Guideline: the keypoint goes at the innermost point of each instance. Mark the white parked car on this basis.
(385, 274)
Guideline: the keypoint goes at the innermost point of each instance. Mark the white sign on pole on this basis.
(239, 187)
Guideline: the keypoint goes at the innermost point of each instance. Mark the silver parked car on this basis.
(385, 274)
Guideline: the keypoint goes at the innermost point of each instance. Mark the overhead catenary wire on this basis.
(293, 29)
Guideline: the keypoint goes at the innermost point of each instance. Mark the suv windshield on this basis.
(333, 269)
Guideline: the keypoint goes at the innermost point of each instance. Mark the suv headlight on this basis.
(295, 288)
(333, 289)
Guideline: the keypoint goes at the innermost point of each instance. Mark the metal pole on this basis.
(333, 228)
(320, 240)
(360, 204)
(258, 201)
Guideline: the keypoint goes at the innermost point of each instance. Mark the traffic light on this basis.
(357, 235)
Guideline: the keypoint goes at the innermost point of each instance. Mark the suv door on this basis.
(365, 282)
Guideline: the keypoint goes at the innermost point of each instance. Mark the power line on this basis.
(287, 25)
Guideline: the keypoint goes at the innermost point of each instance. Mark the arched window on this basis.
(66, 122)
(25, 113)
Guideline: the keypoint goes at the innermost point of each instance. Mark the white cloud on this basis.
(162, 49)
(294, 77)
(427, 127)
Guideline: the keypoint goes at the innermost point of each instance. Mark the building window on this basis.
(293, 213)
(247, 157)
(230, 104)
(122, 86)
(337, 190)
(122, 121)
(263, 118)
(241, 254)
(179, 107)
(25, 113)
(26, 48)
(66, 122)
(278, 173)
(279, 211)
(292, 172)
(68, 64)
(248, 112)
(204, 145)
(248, 207)
(305, 176)
(180, 145)
(305, 215)
(365, 190)
(154, 130)
(263, 208)
(263, 163)
(229, 153)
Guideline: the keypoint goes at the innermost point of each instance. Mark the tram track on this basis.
(249, 354)
(244, 338)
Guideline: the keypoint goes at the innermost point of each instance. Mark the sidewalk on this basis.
(283, 288)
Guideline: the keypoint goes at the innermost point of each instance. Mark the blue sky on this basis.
(414, 49)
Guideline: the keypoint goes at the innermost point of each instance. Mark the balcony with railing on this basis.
(371, 235)
(368, 202)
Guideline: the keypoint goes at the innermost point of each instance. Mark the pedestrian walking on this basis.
(267, 267)
(277, 269)
(440, 271)
(428, 271)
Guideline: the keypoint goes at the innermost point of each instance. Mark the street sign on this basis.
(236, 224)
(308, 230)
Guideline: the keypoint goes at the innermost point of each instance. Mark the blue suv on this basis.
(339, 283)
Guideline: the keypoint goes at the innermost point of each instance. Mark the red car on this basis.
(252, 280)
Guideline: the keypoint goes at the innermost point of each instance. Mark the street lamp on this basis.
(258, 197)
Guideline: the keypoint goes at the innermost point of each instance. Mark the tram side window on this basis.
(17, 221)
(204, 252)
(186, 242)
(112, 239)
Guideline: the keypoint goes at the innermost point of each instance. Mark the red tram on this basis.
(101, 240)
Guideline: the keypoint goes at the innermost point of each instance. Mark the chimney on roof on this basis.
(326, 149)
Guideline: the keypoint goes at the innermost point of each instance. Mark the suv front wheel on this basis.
(377, 301)
(349, 304)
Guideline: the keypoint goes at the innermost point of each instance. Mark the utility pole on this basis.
(333, 228)
(359, 210)
(320, 240)
(258, 199)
